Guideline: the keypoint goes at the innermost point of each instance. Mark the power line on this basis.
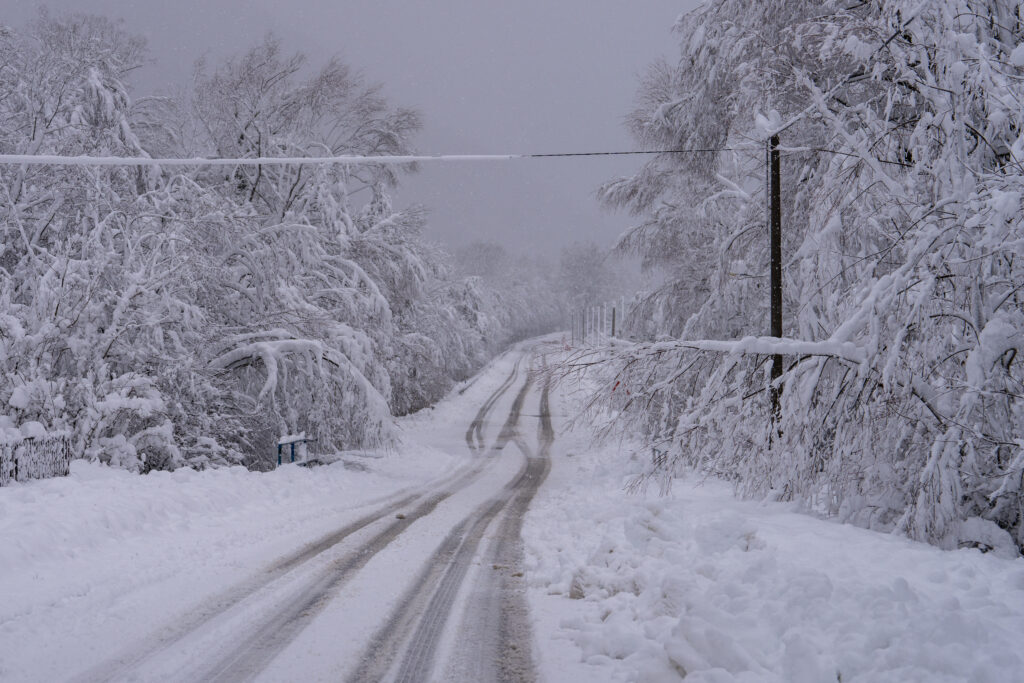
(84, 160)
(657, 151)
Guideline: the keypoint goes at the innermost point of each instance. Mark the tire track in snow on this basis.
(263, 643)
(263, 588)
(272, 634)
(510, 657)
(500, 619)
(475, 433)
(225, 601)
(416, 627)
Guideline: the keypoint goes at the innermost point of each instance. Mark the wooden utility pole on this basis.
(775, 256)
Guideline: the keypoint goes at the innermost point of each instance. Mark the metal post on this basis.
(775, 248)
(293, 451)
(613, 321)
(278, 454)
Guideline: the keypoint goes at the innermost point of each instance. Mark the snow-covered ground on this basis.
(94, 561)
(621, 586)
(641, 587)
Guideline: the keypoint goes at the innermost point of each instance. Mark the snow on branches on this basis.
(903, 234)
(188, 315)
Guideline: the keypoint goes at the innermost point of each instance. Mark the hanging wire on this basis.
(57, 160)
(84, 160)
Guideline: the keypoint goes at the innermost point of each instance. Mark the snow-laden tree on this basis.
(193, 315)
(902, 187)
(78, 273)
(313, 284)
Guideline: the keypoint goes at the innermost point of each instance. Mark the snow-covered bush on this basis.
(79, 274)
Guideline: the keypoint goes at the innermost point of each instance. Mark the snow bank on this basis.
(700, 584)
(97, 505)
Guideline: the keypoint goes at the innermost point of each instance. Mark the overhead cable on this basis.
(57, 160)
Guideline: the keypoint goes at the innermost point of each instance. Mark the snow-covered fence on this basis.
(599, 323)
(35, 458)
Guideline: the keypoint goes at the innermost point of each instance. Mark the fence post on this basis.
(613, 321)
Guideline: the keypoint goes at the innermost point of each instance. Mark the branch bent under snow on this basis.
(845, 351)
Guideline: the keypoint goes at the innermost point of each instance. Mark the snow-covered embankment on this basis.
(650, 588)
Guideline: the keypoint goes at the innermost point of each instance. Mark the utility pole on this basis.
(775, 256)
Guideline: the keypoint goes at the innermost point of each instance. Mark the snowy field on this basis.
(650, 588)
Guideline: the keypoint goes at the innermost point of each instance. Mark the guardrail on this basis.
(35, 458)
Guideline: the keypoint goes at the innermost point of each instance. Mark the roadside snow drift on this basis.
(698, 584)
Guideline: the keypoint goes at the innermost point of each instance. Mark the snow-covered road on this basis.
(334, 582)
(457, 557)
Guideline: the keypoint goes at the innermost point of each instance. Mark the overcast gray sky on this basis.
(523, 76)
